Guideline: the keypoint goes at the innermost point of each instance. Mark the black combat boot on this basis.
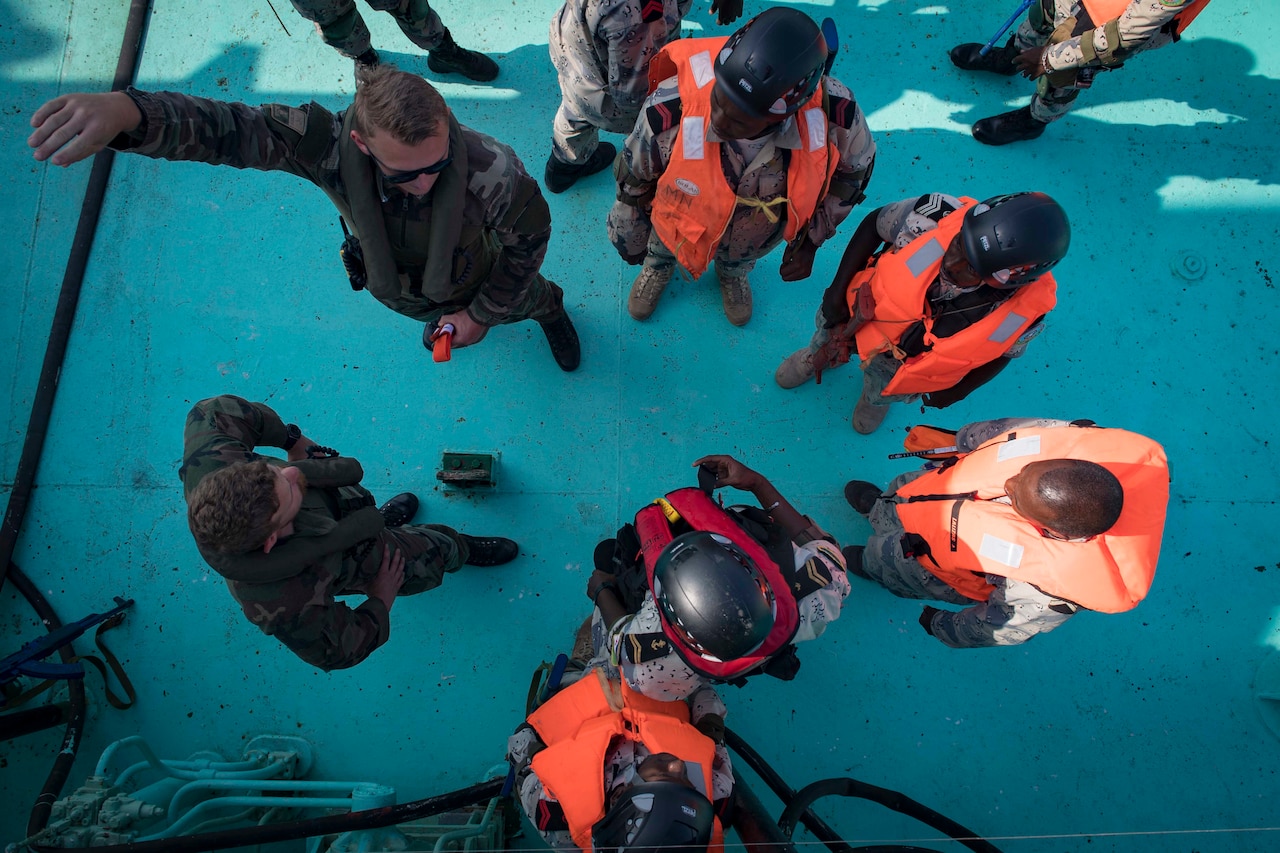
(559, 176)
(563, 340)
(490, 550)
(853, 560)
(448, 58)
(861, 495)
(1015, 126)
(399, 510)
(368, 59)
(999, 60)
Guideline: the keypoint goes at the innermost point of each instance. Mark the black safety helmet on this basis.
(773, 64)
(713, 596)
(1012, 240)
(654, 817)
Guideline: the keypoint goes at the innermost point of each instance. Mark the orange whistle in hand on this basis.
(442, 343)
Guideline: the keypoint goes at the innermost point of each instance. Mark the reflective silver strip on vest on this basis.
(691, 137)
(1002, 551)
(816, 120)
(703, 70)
(1007, 327)
(1028, 446)
(921, 259)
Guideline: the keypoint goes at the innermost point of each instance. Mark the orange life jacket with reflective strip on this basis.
(1101, 11)
(578, 724)
(693, 202)
(970, 535)
(899, 282)
(700, 512)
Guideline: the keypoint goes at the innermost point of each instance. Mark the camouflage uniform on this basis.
(756, 169)
(897, 225)
(601, 50)
(496, 278)
(621, 764)
(1016, 610)
(301, 611)
(635, 648)
(1142, 26)
(340, 24)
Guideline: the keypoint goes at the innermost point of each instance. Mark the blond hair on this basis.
(230, 510)
(402, 104)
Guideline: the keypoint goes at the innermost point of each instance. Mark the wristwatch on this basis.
(292, 434)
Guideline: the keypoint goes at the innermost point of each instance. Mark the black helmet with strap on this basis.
(773, 64)
(1012, 240)
(655, 817)
(713, 595)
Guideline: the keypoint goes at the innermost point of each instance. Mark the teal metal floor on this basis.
(1137, 732)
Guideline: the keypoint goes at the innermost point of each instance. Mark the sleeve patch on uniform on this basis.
(642, 648)
(811, 577)
(841, 111)
(291, 117)
(934, 206)
(664, 115)
(550, 817)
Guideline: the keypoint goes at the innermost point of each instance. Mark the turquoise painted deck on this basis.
(1136, 732)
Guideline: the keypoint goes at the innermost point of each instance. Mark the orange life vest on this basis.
(970, 535)
(693, 202)
(701, 513)
(899, 282)
(1101, 11)
(579, 723)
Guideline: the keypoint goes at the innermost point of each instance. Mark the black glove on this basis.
(728, 10)
(926, 619)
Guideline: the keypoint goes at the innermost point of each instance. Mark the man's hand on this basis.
(728, 10)
(730, 472)
(1030, 63)
(797, 260)
(83, 123)
(597, 580)
(711, 725)
(299, 450)
(390, 577)
(466, 330)
(926, 619)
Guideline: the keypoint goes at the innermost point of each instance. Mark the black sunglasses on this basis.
(405, 177)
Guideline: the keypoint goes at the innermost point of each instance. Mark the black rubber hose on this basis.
(68, 298)
(889, 799)
(75, 724)
(29, 720)
(310, 827)
(816, 825)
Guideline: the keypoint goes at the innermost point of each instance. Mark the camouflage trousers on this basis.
(430, 551)
(542, 302)
(884, 562)
(660, 258)
(340, 25)
(1051, 102)
(575, 132)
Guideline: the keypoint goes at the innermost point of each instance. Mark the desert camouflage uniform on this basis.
(621, 764)
(635, 648)
(1016, 610)
(1142, 27)
(601, 50)
(180, 127)
(755, 169)
(897, 225)
(301, 611)
(340, 25)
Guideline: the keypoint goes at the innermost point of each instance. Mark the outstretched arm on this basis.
(72, 127)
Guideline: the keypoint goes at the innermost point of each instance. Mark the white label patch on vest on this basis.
(924, 257)
(816, 121)
(1002, 551)
(1008, 326)
(1029, 446)
(687, 186)
(691, 138)
(703, 71)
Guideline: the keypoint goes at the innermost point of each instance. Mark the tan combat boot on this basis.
(735, 295)
(646, 290)
(866, 417)
(796, 370)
